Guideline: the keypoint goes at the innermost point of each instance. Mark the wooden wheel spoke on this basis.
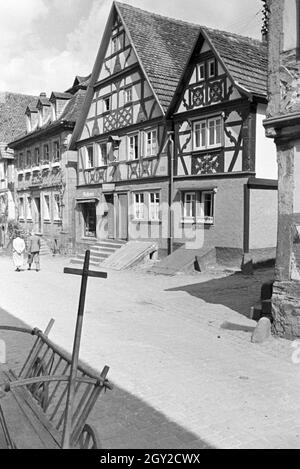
(88, 438)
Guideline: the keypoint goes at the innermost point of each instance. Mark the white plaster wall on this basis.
(266, 163)
(263, 218)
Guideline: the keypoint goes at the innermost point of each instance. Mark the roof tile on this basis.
(164, 46)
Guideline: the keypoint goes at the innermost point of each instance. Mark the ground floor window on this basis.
(46, 207)
(154, 205)
(21, 208)
(147, 206)
(90, 219)
(198, 206)
(56, 207)
(139, 206)
(28, 209)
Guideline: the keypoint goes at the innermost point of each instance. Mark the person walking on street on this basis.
(34, 247)
(18, 252)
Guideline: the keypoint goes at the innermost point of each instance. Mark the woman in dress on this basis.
(18, 252)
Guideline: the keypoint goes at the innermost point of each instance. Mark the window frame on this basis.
(88, 164)
(137, 215)
(147, 132)
(198, 208)
(208, 219)
(194, 206)
(48, 207)
(209, 63)
(46, 154)
(128, 88)
(106, 99)
(21, 204)
(28, 159)
(154, 207)
(200, 66)
(208, 146)
(102, 161)
(28, 208)
(56, 207)
(136, 153)
(56, 151)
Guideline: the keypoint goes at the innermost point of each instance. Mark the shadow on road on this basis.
(123, 421)
(237, 291)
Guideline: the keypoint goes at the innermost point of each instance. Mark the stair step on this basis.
(102, 248)
(97, 258)
(80, 262)
(107, 245)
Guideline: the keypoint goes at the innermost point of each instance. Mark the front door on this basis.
(122, 231)
(110, 216)
(90, 219)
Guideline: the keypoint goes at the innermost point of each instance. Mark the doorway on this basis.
(122, 219)
(109, 198)
(90, 220)
(38, 215)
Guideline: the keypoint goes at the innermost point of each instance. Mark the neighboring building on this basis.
(283, 125)
(12, 123)
(45, 168)
(225, 171)
(173, 119)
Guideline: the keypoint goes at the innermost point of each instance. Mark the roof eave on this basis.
(64, 124)
(94, 76)
(243, 90)
(139, 59)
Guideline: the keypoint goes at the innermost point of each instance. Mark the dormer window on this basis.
(58, 103)
(28, 122)
(53, 112)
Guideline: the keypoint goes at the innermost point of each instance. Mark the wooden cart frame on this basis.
(53, 390)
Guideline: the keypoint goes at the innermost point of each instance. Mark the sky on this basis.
(46, 43)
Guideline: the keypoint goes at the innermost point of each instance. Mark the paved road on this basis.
(184, 369)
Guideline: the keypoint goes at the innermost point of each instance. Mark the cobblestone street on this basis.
(185, 372)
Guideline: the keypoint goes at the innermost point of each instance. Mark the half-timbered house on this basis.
(170, 142)
(225, 170)
(45, 169)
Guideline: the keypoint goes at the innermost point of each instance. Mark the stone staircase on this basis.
(45, 250)
(100, 251)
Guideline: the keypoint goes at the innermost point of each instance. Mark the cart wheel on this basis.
(89, 438)
(40, 391)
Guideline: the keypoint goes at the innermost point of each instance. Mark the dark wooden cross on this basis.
(85, 273)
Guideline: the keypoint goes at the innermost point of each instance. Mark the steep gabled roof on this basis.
(245, 58)
(163, 46)
(69, 116)
(12, 114)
